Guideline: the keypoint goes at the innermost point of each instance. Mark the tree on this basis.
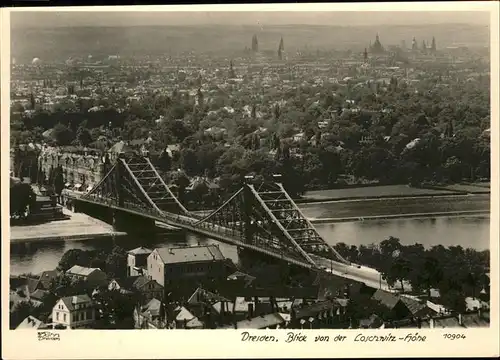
(22, 198)
(397, 270)
(58, 180)
(116, 263)
(165, 161)
(389, 247)
(74, 257)
(116, 309)
(342, 249)
(62, 134)
(454, 300)
(83, 136)
(180, 179)
(362, 307)
(430, 274)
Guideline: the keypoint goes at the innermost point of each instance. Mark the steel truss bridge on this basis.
(259, 217)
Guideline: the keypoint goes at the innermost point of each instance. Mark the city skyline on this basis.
(45, 19)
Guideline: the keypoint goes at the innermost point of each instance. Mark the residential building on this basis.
(143, 286)
(184, 319)
(417, 307)
(93, 276)
(150, 316)
(74, 312)
(396, 306)
(269, 321)
(31, 322)
(137, 261)
(467, 320)
(321, 314)
(167, 265)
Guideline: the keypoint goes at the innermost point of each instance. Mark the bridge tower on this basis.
(124, 221)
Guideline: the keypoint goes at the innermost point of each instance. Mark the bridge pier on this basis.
(75, 205)
(126, 222)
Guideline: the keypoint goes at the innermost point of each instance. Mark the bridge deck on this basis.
(263, 218)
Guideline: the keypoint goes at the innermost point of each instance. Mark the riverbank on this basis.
(78, 226)
(392, 191)
(396, 207)
(480, 213)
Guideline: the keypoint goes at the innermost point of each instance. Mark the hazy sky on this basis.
(57, 19)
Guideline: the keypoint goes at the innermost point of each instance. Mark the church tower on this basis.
(232, 74)
(281, 48)
(255, 44)
(414, 45)
(433, 46)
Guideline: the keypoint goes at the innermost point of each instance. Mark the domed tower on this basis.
(377, 47)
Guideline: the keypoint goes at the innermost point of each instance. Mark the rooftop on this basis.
(190, 254)
(261, 322)
(140, 251)
(81, 270)
(71, 301)
(385, 298)
(30, 322)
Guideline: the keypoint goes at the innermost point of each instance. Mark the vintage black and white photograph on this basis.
(249, 170)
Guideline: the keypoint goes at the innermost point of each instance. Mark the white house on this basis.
(74, 312)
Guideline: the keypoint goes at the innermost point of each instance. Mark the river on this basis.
(467, 231)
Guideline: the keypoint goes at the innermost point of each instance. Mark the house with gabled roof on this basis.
(394, 303)
(137, 261)
(74, 312)
(95, 277)
(150, 316)
(31, 322)
(143, 286)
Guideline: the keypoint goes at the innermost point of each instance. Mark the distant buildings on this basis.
(377, 47)
(255, 44)
(281, 48)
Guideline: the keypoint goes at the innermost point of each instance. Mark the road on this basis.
(370, 277)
